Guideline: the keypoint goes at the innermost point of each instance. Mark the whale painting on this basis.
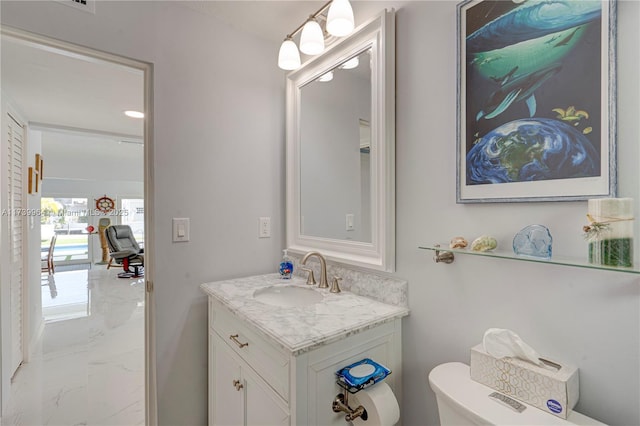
(536, 100)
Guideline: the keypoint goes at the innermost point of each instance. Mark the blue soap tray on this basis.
(361, 374)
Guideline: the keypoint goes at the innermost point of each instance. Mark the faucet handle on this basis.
(311, 279)
(335, 286)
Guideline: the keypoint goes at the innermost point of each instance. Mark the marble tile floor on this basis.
(88, 367)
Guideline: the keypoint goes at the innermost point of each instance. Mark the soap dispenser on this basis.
(286, 266)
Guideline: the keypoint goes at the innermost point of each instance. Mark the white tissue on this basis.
(500, 343)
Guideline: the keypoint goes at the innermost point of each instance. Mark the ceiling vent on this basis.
(84, 5)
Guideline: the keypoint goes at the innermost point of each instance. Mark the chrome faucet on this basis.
(323, 267)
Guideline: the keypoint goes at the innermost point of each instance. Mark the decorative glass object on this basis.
(610, 231)
(533, 241)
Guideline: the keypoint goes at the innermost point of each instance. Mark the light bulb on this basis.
(288, 57)
(340, 18)
(328, 76)
(134, 114)
(312, 39)
(351, 63)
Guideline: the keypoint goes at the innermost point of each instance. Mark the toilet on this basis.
(462, 401)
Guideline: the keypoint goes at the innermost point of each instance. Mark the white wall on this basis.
(91, 157)
(219, 151)
(584, 317)
(210, 166)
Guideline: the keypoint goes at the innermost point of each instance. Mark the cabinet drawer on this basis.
(265, 358)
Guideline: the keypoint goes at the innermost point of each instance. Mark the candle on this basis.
(611, 236)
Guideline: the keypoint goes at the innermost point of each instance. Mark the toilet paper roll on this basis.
(381, 405)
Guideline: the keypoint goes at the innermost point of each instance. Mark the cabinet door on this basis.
(226, 403)
(263, 406)
(381, 344)
(238, 395)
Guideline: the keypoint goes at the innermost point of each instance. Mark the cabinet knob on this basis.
(238, 385)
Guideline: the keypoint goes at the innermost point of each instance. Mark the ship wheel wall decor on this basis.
(105, 204)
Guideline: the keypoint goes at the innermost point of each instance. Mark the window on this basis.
(68, 218)
(132, 214)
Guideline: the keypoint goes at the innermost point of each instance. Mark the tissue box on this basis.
(553, 390)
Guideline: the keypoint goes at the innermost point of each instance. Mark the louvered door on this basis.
(16, 234)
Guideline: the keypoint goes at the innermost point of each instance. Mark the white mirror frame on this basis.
(379, 35)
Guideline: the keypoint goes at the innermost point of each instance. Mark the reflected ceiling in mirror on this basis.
(341, 149)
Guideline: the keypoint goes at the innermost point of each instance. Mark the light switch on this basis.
(180, 229)
(350, 220)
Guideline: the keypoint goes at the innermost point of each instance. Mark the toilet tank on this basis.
(461, 401)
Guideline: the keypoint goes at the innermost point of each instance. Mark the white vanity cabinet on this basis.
(238, 396)
(254, 380)
(248, 377)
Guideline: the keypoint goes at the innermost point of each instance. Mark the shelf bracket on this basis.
(443, 256)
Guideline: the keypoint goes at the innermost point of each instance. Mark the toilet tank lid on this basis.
(452, 383)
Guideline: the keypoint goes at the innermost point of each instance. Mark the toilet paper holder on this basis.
(341, 403)
(354, 378)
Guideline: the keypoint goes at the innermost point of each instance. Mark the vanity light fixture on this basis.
(312, 38)
(134, 114)
(328, 76)
(340, 18)
(351, 64)
(289, 57)
(339, 23)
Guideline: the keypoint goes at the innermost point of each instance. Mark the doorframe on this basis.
(70, 49)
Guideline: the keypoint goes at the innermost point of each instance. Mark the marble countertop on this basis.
(301, 328)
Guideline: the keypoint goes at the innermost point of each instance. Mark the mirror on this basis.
(340, 150)
(335, 171)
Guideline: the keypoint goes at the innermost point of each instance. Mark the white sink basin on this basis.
(288, 296)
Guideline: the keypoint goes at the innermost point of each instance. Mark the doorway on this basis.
(27, 97)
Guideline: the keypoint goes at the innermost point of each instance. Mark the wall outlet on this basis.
(264, 227)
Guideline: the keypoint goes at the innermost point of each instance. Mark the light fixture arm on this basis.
(312, 16)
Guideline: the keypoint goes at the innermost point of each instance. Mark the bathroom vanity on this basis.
(275, 345)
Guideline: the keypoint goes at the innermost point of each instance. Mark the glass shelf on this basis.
(555, 260)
